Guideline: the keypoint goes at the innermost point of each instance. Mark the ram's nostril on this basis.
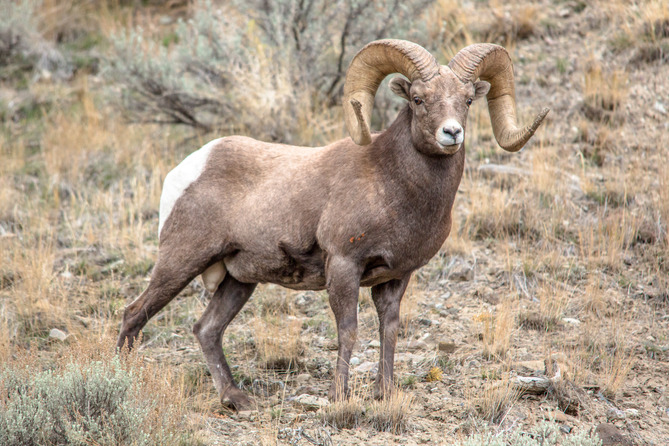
(452, 131)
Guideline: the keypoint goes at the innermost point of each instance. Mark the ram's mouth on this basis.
(449, 148)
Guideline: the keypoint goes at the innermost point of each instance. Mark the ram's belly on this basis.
(307, 274)
(299, 271)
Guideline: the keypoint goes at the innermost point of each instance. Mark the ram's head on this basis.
(439, 95)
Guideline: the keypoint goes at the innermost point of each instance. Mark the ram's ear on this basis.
(481, 89)
(400, 86)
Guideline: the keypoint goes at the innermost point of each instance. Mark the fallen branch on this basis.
(539, 384)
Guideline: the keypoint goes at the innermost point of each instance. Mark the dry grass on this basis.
(497, 329)
(602, 240)
(497, 214)
(392, 414)
(350, 413)
(494, 400)
(546, 316)
(553, 300)
(278, 341)
(595, 299)
(616, 358)
(604, 93)
(614, 373)
(511, 24)
(663, 204)
(409, 309)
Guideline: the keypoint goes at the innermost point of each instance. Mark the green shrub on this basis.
(546, 433)
(97, 403)
(17, 29)
(23, 50)
(255, 67)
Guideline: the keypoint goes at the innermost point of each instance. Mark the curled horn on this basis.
(369, 67)
(492, 63)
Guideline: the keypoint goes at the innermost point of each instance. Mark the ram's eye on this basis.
(417, 100)
(469, 101)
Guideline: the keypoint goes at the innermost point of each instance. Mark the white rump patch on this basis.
(179, 178)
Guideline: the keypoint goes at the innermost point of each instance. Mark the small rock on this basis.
(611, 435)
(659, 106)
(409, 357)
(564, 12)
(354, 360)
(571, 321)
(632, 413)
(614, 414)
(489, 170)
(366, 367)
(310, 402)
(247, 415)
(374, 344)
(461, 273)
(58, 334)
(304, 389)
(447, 347)
(425, 322)
(302, 379)
(416, 345)
(560, 416)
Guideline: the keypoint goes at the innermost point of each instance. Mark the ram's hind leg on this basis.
(173, 271)
(226, 302)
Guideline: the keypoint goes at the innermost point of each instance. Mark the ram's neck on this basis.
(433, 180)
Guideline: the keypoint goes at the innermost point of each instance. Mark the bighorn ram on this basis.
(362, 212)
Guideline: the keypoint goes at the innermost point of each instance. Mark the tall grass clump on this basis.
(392, 414)
(494, 400)
(103, 401)
(497, 329)
(263, 68)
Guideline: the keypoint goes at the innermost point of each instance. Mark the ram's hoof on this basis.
(237, 400)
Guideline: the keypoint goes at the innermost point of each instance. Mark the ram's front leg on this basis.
(387, 298)
(343, 285)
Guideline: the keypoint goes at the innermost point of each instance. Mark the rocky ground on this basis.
(603, 321)
(549, 301)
